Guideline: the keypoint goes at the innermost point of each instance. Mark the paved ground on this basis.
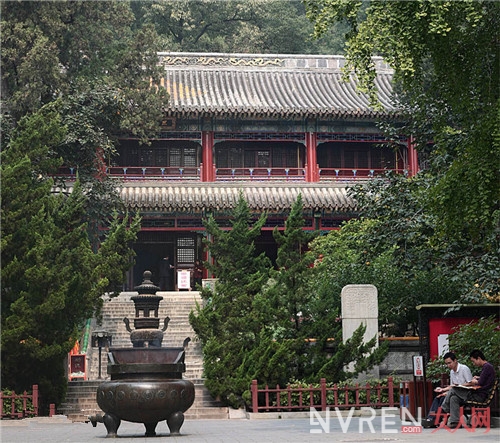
(59, 429)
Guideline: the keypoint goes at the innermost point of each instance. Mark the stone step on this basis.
(206, 414)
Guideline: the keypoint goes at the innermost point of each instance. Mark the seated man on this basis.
(459, 375)
(479, 388)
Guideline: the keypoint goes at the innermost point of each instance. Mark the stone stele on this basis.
(360, 305)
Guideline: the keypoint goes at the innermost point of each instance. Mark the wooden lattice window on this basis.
(186, 250)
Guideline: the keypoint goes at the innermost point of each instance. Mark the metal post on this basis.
(101, 339)
(100, 359)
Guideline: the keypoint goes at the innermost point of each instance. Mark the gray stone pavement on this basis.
(254, 430)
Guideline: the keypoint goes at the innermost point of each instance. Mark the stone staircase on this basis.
(80, 399)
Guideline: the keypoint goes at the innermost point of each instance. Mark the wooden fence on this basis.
(323, 396)
(21, 405)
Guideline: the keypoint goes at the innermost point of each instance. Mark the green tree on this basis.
(402, 261)
(228, 324)
(280, 351)
(293, 264)
(53, 49)
(239, 26)
(52, 280)
(308, 322)
(198, 26)
(405, 220)
(101, 72)
(258, 323)
(364, 356)
(271, 34)
(347, 259)
(91, 58)
(446, 69)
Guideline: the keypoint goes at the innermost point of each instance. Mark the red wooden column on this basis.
(311, 157)
(207, 158)
(412, 157)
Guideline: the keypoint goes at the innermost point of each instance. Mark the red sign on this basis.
(77, 366)
(418, 366)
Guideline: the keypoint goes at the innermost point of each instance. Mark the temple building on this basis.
(267, 126)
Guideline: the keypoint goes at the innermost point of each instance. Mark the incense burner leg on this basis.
(150, 429)
(175, 422)
(112, 423)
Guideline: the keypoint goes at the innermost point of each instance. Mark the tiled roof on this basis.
(216, 196)
(268, 85)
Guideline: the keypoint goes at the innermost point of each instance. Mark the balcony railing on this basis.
(257, 174)
(154, 172)
(130, 173)
(144, 172)
(355, 173)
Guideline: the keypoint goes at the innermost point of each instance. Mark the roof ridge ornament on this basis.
(220, 60)
(289, 61)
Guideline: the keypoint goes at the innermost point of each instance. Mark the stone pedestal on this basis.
(360, 305)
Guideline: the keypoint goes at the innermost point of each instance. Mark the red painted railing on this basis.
(20, 409)
(353, 173)
(154, 172)
(143, 172)
(130, 173)
(260, 174)
(302, 398)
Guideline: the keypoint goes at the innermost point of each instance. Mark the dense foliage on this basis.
(73, 49)
(289, 288)
(74, 74)
(229, 324)
(258, 322)
(390, 246)
(447, 69)
(237, 26)
(52, 279)
(97, 69)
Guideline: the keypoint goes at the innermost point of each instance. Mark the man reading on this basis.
(475, 390)
(459, 375)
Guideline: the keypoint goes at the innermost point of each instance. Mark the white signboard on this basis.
(184, 279)
(418, 366)
(442, 344)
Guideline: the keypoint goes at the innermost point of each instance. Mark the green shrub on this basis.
(18, 404)
(310, 390)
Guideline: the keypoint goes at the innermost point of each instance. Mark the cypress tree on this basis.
(52, 280)
(228, 324)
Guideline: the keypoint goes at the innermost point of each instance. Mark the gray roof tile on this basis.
(268, 85)
(216, 196)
